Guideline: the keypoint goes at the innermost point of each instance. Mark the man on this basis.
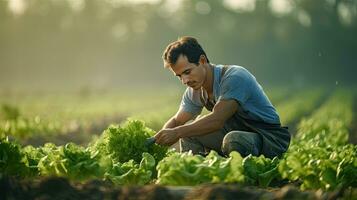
(242, 117)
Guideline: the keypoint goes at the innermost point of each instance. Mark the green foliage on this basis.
(318, 156)
(97, 161)
(9, 112)
(23, 127)
(14, 124)
(11, 159)
(70, 161)
(300, 41)
(32, 156)
(321, 167)
(127, 141)
(298, 105)
(182, 169)
(79, 162)
(52, 163)
(260, 170)
(189, 169)
(130, 173)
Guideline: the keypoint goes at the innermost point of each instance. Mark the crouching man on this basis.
(241, 119)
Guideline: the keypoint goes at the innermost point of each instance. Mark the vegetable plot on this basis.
(120, 155)
(318, 157)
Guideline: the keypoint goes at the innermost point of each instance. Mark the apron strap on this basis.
(208, 104)
(224, 69)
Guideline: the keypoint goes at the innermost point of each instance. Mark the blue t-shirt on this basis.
(239, 84)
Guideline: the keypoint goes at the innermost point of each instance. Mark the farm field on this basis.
(92, 146)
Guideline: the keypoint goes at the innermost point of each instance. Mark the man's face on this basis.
(189, 73)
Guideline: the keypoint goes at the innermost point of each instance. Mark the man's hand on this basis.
(166, 137)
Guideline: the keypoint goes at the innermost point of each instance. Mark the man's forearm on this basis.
(171, 123)
(207, 124)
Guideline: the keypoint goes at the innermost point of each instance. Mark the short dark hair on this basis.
(187, 46)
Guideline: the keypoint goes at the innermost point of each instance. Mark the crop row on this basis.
(298, 105)
(120, 155)
(318, 157)
(31, 117)
(25, 117)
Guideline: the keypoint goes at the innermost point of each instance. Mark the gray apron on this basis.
(275, 138)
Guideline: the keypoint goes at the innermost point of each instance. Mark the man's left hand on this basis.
(166, 137)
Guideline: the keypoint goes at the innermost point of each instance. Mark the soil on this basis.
(53, 188)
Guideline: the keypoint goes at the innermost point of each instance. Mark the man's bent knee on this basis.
(244, 142)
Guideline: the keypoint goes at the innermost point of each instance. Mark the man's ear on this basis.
(203, 59)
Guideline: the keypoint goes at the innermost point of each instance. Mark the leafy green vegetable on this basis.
(127, 141)
(130, 173)
(11, 159)
(235, 174)
(33, 156)
(52, 164)
(260, 170)
(71, 161)
(319, 156)
(79, 162)
(181, 169)
(188, 169)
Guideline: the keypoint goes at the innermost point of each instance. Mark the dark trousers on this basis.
(270, 142)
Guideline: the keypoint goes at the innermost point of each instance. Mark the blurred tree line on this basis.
(116, 43)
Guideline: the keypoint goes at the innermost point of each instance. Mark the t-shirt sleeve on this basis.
(190, 103)
(235, 87)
